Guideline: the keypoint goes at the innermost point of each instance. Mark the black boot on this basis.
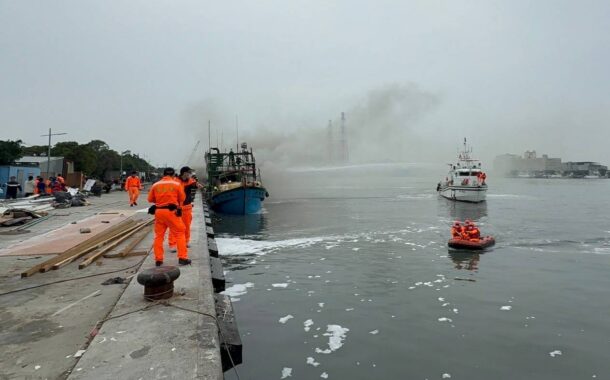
(184, 261)
(158, 263)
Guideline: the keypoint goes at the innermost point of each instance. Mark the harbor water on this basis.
(347, 275)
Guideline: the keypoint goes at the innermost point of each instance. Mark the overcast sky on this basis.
(147, 75)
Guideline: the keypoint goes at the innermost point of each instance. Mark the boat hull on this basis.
(239, 201)
(483, 243)
(472, 194)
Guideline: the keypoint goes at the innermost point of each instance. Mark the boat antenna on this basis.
(237, 132)
(209, 136)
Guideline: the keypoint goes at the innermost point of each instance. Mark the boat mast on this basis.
(237, 133)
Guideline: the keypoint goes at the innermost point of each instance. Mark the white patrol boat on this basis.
(465, 181)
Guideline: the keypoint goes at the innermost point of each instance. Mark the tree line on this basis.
(94, 158)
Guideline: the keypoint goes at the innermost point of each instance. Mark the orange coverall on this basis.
(474, 234)
(456, 232)
(163, 193)
(133, 186)
(187, 211)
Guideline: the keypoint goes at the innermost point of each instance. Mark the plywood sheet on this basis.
(68, 236)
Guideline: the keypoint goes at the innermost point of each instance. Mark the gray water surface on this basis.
(367, 256)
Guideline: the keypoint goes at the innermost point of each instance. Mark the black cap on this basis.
(185, 169)
(169, 171)
(134, 172)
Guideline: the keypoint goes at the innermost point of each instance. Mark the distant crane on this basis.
(193, 152)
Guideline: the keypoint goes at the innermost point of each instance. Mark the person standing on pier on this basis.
(190, 186)
(12, 188)
(29, 187)
(168, 196)
(133, 185)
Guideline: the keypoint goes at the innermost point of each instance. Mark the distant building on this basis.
(512, 164)
(19, 171)
(584, 168)
(56, 164)
(530, 165)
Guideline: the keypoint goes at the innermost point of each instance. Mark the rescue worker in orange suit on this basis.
(465, 230)
(456, 230)
(189, 185)
(133, 187)
(168, 197)
(474, 233)
(47, 184)
(471, 232)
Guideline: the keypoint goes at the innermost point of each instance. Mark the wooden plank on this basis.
(86, 247)
(114, 244)
(135, 242)
(130, 254)
(91, 248)
(67, 236)
(44, 266)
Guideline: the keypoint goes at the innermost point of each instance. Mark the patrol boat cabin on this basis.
(466, 181)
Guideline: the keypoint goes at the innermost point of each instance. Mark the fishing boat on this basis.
(234, 182)
(465, 181)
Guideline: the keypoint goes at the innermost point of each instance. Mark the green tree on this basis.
(83, 156)
(98, 145)
(10, 151)
(35, 150)
(107, 160)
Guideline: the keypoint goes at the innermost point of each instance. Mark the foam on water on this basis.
(311, 361)
(238, 290)
(286, 372)
(236, 246)
(336, 336)
(307, 324)
(602, 251)
(286, 318)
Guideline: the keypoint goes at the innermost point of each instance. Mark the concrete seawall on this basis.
(177, 338)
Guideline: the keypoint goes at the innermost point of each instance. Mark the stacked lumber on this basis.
(95, 246)
(96, 241)
(59, 240)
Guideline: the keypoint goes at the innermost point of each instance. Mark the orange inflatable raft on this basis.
(483, 243)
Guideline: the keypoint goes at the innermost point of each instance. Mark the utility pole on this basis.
(49, 148)
(122, 154)
(344, 151)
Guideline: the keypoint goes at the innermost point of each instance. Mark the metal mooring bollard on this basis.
(158, 282)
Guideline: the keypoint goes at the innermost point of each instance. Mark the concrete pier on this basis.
(176, 338)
